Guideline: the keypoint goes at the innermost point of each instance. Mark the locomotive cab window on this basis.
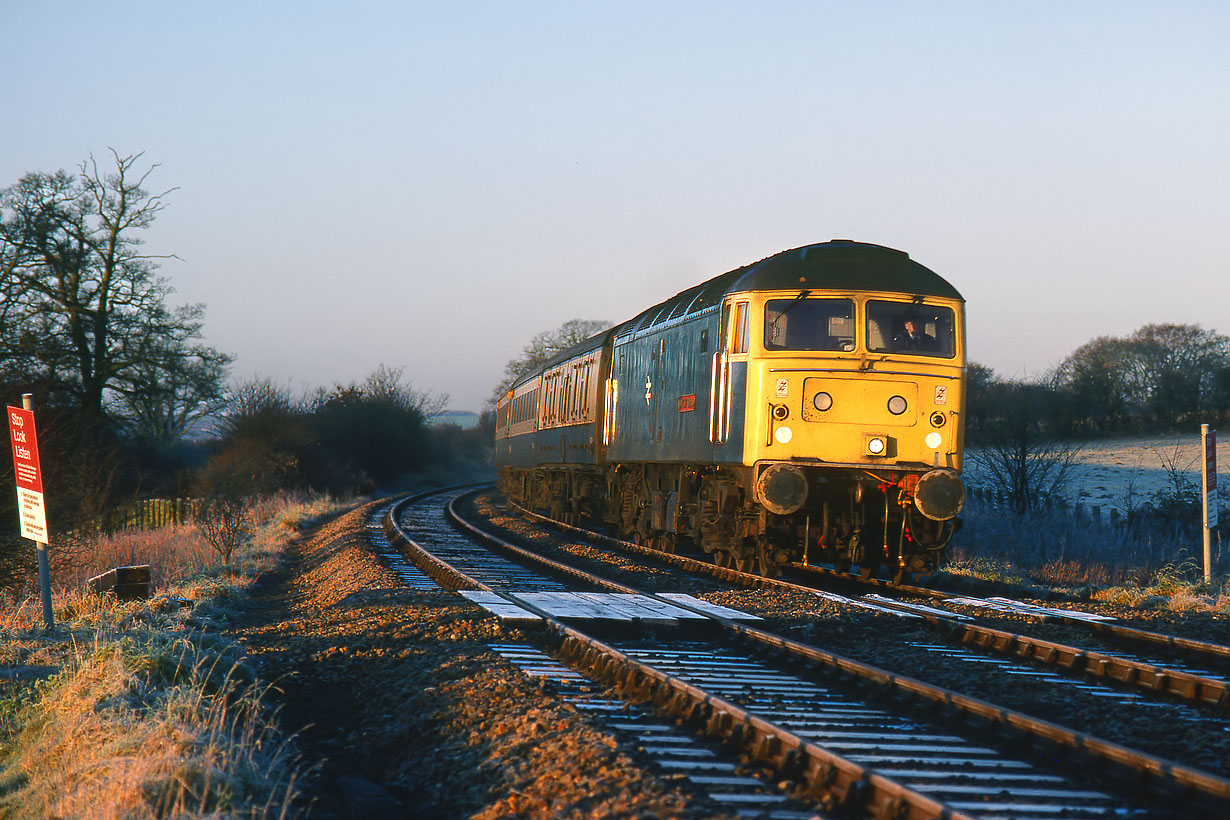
(809, 324)
(739, 337)
(911, 328)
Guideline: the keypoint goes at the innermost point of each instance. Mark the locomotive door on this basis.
(728, 381)
(734, 341)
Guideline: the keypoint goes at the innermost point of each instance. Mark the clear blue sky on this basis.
(428, 185)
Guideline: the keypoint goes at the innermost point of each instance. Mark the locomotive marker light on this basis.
(29, 479)
(1208, 471)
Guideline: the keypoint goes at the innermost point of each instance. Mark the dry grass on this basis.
(147, 726)
(1177, 587)
(142, 711)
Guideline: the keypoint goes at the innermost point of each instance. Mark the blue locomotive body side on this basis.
(666, 394)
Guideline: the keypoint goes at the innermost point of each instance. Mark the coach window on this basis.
(585, 388)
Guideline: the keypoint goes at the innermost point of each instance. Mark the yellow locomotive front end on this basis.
(853, 423)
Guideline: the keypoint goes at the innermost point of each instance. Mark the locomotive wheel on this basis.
(746, 563)
(665, 542)
(765, 565)
(722, 558)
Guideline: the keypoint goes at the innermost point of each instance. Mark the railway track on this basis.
(1194, 671)
(836, 732)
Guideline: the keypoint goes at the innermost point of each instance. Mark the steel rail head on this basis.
(1218, 652)
(682, 561)
(529, 556)
(1187, 685)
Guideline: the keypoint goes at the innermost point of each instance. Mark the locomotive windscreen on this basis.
(910, 327)
(809, 324)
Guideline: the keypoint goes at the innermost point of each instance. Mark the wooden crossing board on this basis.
(507, 612)
(713, 609)
(614, 607)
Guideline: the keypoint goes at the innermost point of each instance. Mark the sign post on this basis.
(1208, 474)
(30, 494)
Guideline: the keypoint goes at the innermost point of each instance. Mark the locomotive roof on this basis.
(836, 265)
(845, 265)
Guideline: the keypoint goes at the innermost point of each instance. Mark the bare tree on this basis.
(1021, 459)
(85, 304)
(224, 523)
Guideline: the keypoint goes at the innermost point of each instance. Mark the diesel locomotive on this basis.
(808, 407)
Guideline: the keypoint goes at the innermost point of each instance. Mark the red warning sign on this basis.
(29, 475)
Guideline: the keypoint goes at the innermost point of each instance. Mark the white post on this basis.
(1208, 474)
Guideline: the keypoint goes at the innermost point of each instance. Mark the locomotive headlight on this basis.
(822, 401)
(934, 440)
(876, 445)
(897, 405)
(783, 435)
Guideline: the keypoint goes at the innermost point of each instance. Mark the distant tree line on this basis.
(347, 439)
(1024, 434)
(120, 374)
(1161, 378)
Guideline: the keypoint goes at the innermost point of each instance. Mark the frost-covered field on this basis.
(1118, 473)
(1093, 542)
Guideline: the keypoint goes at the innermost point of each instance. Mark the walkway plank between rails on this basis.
(505, 610)
(599, 606)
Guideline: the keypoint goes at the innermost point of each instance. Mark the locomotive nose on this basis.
(940, 494)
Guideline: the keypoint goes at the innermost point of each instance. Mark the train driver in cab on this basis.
(912, 336)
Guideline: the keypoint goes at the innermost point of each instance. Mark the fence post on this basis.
(1208, 474)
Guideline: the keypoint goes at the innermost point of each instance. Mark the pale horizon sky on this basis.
(428, 186)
